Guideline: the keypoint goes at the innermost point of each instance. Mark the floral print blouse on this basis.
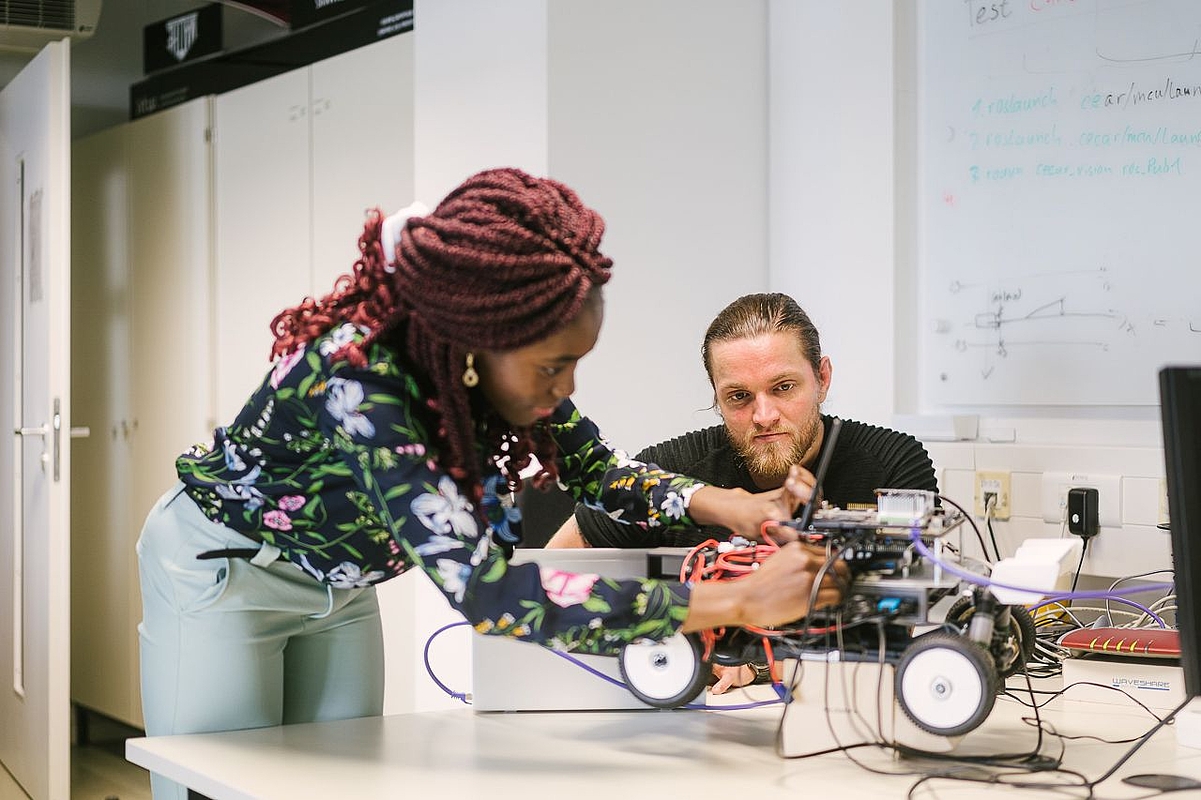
(335, 466)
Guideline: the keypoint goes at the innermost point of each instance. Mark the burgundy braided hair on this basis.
(505, 260)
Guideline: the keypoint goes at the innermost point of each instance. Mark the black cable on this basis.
(1146, 737)
(1024, 762)
(831, 559)
(1022, 765)
(991, 535)
(1080, 566)
(1127, 694)
(970, 520)
(1029, 757)
(1000, 779)
(1085, 784)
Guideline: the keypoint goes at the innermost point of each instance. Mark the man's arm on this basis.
(598, 529)
(568, 535)
(912, 467)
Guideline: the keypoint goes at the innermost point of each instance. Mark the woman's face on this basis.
(528, 383)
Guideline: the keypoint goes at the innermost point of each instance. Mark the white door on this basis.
(35, 408)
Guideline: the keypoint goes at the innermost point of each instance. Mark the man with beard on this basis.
(769, 378)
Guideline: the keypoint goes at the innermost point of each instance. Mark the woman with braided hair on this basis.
(389, 434)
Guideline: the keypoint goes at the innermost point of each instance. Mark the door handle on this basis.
(53, 429)
(40, 430)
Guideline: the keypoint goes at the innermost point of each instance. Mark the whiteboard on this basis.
(1059, 199)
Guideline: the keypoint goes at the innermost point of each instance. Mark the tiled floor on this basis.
(99, 771)
(9, 789)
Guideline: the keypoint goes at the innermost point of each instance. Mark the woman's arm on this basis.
(778, 592)
(633, 492)
(433, 524)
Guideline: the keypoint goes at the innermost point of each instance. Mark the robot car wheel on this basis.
(945, 683)
(665, 674)
(1021, 628)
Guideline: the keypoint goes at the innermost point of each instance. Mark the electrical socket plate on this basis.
(993, 483)
(1055, 486)
(1163, 502)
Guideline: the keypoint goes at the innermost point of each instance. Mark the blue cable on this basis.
(979, 580)
(615, 682)
(462, 696)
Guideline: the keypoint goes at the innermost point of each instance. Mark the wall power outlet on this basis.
(1055, 487)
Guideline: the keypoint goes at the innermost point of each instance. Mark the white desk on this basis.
(602, 755)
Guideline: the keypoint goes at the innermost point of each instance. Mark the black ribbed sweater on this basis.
(866, 458)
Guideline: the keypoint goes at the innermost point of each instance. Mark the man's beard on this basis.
(771, 462)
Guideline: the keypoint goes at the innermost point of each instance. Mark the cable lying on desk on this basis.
(1010, 769)
(465, 697)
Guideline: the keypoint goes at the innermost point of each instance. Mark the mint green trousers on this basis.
(228, 644)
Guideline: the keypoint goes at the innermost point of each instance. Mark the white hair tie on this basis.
(389, 235)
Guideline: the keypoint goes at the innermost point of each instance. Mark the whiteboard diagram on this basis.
(1059, 181)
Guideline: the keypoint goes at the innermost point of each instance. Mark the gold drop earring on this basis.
(470, 376)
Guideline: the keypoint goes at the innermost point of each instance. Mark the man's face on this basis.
(769, 397)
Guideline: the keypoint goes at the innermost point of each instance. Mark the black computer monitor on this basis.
(1180, 406)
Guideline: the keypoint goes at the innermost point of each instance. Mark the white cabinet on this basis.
(298, 159)
(140, 370)
(191, 229)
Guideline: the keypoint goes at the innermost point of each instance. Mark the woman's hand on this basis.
(776, 593)
(745, 512)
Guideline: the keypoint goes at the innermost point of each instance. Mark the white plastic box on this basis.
(1159, 686)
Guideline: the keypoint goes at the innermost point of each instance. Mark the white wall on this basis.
(658, 119)
(479, 101)
(842, 132)
(831, 238)
(732, 149)
(480, 77)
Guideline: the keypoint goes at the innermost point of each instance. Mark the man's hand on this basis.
(745, 512)
(732, 677)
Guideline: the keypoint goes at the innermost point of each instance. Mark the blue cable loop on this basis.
(462, 697)
(1096, 594)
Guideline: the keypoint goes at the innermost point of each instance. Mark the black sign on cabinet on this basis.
(184, 37)
(362, 25)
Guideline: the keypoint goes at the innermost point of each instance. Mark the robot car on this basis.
(947, 671)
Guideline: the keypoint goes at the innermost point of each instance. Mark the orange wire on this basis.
(771, 660)
(731, 565)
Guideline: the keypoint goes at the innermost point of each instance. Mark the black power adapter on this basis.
(1083, 514)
